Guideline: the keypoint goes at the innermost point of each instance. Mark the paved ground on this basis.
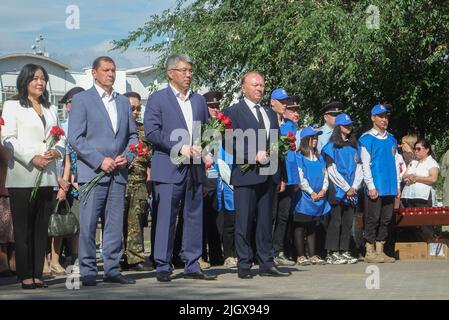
(419, 279)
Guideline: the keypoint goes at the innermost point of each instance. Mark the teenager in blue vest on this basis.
(225, 198)
(312, 205)
(342, 156)
(282, 207)
(381, 174)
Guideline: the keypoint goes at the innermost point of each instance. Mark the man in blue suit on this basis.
(101, 127)
(254, 189)
(172, 117)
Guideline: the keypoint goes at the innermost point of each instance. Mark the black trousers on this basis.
(30, 220)
(379, 214)
(338, 234)
(226, 227)
(281, 214)
(254, 203)
(212, 251)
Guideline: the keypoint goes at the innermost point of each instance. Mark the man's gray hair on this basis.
(173, 59)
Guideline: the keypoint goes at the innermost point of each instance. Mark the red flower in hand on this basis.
(220, 116)
(56, 132)
(227, 122)
(2, 122)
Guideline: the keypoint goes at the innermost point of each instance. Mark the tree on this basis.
(321, 50)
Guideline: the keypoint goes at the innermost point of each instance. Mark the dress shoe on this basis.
(140, 267)
(41, 285)
(245, 274)
(163, 276)
(119, 279)
(199, 275)
(89, 281)
(273, 272)
(28, 286)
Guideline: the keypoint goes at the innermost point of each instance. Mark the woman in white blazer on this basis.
(28, 121)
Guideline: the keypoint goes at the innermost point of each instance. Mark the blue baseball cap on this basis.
(309, 131)
(342, 120)
(279, 94)
(379, 109)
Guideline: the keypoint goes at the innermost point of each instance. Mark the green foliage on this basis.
(320, 50)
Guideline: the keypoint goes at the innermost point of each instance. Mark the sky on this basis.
(100, 21)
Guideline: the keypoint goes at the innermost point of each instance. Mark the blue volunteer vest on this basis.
(224, 192)
(290, 159)
(383, 164)
(314, 173)
(345, 159)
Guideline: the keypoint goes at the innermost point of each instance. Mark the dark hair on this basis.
(97, 61)
(425, 143)
(305, 149)
(338, 140)
(26, 75)
(132, 94)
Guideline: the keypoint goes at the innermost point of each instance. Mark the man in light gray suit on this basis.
(100, 129)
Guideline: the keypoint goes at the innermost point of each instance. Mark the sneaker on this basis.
(302, 261)
(203, 264)
(230, 262)
(281, 260)
(349, 259)
(335, 258)
(317, 260)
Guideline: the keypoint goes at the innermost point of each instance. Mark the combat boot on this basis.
(380, 252)
(371, 255)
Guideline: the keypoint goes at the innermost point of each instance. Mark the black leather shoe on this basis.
(245, 274)
(89, 281)
(119, 279)
(199, 275)
(163, 276)
(28, 286)
(41, 285)
(140, 267)
(274, 272)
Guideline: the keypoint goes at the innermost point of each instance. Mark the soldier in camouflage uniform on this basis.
(136, 206)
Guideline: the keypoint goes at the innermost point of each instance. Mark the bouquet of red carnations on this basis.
(281, 147)
(220, 124)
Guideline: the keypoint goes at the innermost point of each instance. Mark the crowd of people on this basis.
(209, 210)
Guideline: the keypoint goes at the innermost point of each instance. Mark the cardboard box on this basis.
(411, 250)
(438, 251)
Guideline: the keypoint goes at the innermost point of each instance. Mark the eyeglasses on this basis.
(417, 149)
(183, 70)
(134, 108)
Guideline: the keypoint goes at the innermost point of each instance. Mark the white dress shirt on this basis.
(109, 104)
(266, 120)
(304, 184)
(366, 161)
(186, 108)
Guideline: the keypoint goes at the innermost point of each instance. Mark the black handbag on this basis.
(63, 224)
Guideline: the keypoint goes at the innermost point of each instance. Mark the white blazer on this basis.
(24, 134)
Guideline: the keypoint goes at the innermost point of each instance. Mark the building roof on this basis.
(35, 56)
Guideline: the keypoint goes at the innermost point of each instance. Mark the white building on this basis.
(141, 80)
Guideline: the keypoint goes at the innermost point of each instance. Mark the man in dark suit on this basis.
(254, 188)
(101, 127)
(172, 117)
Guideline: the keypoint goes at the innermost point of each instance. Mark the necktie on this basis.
(259, 117)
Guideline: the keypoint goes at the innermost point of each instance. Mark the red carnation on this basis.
(56, 132)
(2, 122)
(293, 146)
(290, 135)
(220, 116)
(227, 122)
